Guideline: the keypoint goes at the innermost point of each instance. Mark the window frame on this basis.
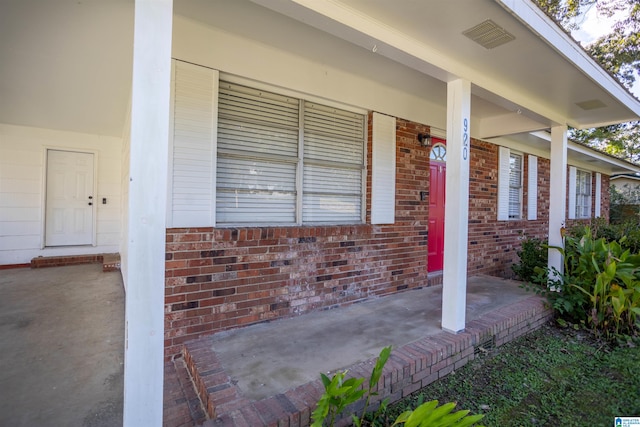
(300, 161)
(520, 188)
(583, 196)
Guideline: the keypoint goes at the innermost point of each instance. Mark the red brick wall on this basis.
(492, 243)
(220, 278)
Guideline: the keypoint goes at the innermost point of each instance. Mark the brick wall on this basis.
(220, 278)
(492, 243)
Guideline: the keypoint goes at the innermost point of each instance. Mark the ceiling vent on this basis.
(489, 35)
(592, 104)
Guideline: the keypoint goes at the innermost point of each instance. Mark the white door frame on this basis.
(45, 174)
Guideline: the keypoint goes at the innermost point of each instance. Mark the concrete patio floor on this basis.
(62, 335)
(256, 375)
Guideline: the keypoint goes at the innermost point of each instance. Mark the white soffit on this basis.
(541, 70)
(66, 64)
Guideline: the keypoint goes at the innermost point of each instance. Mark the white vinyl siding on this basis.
(532, 188)
(193, 146)
(282, 160)
(503, 183)
(383, 188)
(572, 192)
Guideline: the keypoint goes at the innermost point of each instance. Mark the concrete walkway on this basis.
(62, 335)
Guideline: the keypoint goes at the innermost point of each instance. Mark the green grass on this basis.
(552, 377)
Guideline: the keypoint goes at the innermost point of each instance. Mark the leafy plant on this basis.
(533, 254)
(340, 393)
(430, 415)
(600, 286)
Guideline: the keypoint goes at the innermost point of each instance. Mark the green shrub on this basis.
(534, 254)
(340, 393)
(600, 286)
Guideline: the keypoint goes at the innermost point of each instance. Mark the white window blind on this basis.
(285, 161)
(572, 192)
(583, 194)
(257, 156)
(515, 186)
(503, 183)
(383, 182)
(193, 146)
(333, 164)
(532, 188)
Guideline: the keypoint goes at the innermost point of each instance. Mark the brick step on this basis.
(410, 367)
(110, 262)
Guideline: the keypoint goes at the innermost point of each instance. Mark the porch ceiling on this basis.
(542, 74)
(67, 64)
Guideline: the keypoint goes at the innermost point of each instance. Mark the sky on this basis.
(593, 26)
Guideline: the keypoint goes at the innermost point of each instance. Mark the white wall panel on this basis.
(22, 180)
(383, 172)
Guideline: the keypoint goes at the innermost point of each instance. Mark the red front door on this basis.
(437, 174)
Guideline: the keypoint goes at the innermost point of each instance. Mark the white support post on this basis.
(144, 311)
(454, 292)
(557, 194)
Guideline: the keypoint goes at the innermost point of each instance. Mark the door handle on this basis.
(90, 197)
(90, 204)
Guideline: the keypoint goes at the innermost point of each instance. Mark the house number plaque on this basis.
(465, 139)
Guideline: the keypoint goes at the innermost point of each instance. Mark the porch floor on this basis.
(62, 335)
(268, 374)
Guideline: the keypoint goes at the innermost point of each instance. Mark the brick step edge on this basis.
(110, 262)
(409, 368)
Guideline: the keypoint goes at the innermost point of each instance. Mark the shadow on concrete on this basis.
(62, 358)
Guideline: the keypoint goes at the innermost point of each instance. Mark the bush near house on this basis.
(600, 286)
(533, 254)
(625, 204)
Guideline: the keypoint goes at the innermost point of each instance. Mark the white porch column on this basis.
(144, 312)
(454, 279)
(557, 193)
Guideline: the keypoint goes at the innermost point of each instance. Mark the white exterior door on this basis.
(69, 199)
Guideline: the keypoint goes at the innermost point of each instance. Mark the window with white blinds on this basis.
(583, 194)
(515, 186)
(282, 160)
(511, 183)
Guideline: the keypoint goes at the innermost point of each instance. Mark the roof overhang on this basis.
(540, 78)
(67, 64)
(578, 154)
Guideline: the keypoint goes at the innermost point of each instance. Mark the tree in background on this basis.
(619, 53)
